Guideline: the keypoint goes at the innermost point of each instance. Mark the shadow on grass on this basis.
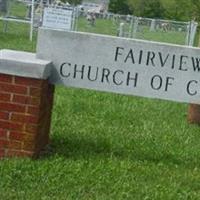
(84, 148)
(79, 147)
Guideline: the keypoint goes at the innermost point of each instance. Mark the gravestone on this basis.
(153, 24)
(57, 18)
(3, 6)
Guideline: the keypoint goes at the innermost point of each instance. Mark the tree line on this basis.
(166, 9)
(183, 10)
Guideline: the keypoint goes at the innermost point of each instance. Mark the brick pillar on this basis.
(194, 110)
(194, 114)
(25, 115)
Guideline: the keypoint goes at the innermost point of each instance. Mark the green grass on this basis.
(16, 9)
(112, 28)
(16, 42)
(107, 146)
(99, 27)
(161, 36)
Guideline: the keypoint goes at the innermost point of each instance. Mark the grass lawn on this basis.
(112, 28)
(107, 146)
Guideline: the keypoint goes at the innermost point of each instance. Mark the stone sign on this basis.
(57, 18)
(120, 65)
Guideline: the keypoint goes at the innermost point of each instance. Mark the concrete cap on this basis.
(24, 64)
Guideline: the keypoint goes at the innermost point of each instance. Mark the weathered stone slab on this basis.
(120, 65)
(24, 64)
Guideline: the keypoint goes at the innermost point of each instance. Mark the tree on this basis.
(119, 6)
(196, 10)
(153, 9)
(72, 2)
(181, 10)
(147, 8)
(178, 9)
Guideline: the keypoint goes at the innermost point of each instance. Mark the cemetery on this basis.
(107, 109)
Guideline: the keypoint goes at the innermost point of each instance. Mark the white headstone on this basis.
(3, 5)
(57, 18)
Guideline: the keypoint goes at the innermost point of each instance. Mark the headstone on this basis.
(3, 6)
(57, 18)
(135, 26)
(153, 24)
(121, 29)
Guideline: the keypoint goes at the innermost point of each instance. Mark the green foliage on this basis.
(73, 2)
(119, 6)
(178, 9)
(196, 10)
(153, 9)
(170, 9)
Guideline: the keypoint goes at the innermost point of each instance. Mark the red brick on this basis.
(26, 100)
(3, 143)
(4, 115)
(24, 118)
(11, 125)
(3, 133)
(30, 128)
(15, 135)
(29, 81)
(21, 136)
(29, 137)
(2, 153)
(5, 78)
(4, 97)
(29, 146)
(29, 116)
(19, 153)
(13, 153)
(17, 89)
(45, 85)
(14, 145)
(35, 92)
(33, 110)
(12, 107)
(35, 101)
(21, 99)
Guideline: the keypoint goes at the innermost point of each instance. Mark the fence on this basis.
(29, 13)
(13, 12)
(162, 30)
(140, 28)
(26, 15)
